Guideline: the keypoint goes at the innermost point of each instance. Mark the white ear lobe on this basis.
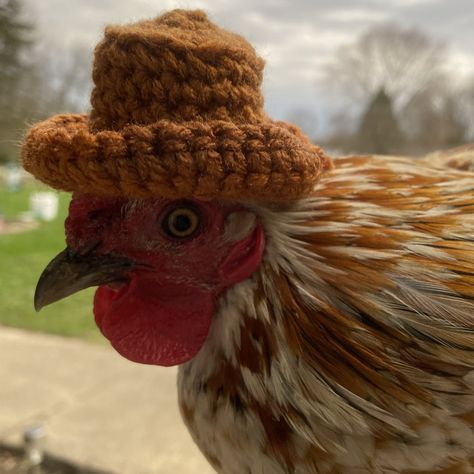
(238, 225)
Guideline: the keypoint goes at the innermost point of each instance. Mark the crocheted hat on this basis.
(176, 112)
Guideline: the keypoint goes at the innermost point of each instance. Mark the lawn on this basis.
(22, 259)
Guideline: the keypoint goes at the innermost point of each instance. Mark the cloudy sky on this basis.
(295, 37)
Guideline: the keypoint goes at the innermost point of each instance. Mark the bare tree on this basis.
(341, 138)
(59, 81)
(466, 101)
(432, 112)
(56, 81)
(435, 121)
(403, 62)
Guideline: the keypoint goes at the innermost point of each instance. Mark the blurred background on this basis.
(373, 76)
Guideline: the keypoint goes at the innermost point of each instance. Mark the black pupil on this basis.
(181, 223)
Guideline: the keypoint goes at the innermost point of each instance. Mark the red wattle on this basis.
(153, 322)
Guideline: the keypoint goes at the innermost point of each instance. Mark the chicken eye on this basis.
(181, 222)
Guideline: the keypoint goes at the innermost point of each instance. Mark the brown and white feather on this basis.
(351, 350)
(460, 158)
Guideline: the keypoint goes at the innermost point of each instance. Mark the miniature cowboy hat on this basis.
(177, 112)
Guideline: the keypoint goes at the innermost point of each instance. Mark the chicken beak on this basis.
(70, 272)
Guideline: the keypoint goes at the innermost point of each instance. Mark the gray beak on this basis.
(70, 272)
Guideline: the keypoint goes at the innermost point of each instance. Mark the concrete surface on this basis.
(97, 408)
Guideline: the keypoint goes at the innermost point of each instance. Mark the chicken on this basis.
(329, 333)
(332, 335)
(461, 158)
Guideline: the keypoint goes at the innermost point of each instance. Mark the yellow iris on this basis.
(181, 222)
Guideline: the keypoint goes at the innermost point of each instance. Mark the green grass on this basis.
(22, 259)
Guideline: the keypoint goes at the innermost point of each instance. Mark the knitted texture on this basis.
(177, 111)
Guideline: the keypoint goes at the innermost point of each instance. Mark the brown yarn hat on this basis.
(176, 112)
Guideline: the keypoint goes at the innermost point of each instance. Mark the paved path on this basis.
(97, 408)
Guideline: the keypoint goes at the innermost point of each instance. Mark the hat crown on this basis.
(179, 67)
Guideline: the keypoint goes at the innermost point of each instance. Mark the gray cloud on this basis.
(296, 38)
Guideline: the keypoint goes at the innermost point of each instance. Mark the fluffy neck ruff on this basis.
(356, 327)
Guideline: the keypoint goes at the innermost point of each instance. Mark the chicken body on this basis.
(351, 349)
(330, 335)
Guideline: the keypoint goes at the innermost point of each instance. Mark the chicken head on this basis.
(160, 266)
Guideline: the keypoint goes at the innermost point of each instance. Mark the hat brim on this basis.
(268, 161)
